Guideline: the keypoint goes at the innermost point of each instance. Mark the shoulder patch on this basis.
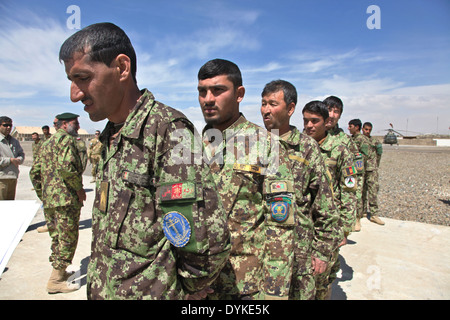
(349, 171)
(176, 229)
(178, 191)
(279, 210)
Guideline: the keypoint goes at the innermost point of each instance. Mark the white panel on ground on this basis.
(15, 217)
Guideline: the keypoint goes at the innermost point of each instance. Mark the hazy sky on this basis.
(390, 65)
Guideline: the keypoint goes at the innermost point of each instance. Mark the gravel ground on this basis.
(415, 184)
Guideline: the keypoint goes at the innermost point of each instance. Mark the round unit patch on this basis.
(176, 228)
(279, 210)
(350, 182)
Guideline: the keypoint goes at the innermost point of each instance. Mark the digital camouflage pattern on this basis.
(319, 231)
(339, 134)
(371, 185)
(63, 224)
(253, 177)
(140, 182)
(56, 175)
(94, 154)
(363, 145)
(339, 161)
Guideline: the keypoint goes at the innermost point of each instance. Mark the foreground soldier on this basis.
(339, 161)
(319, 231)
(253, 176)
(159, 229)
(56, 176)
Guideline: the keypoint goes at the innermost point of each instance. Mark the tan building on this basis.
(24, 133)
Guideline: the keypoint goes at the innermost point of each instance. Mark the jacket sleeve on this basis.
(35, 176)
(280, 220)
(70, 165)
(327, 224)
(180, 166)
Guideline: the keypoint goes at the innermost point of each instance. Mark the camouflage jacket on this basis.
(95, 148)
(377, 148)
(35, 148)
(320, 230)
(253, 176)
(158, 227)
(339, 161)
(364, 146)
(358, 159)
(56, 173)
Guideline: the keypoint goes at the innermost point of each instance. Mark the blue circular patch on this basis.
(279, 211)
(176, 228)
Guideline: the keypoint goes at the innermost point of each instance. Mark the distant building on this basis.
(24, 133)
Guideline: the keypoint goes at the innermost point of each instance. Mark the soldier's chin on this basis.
(95, 117)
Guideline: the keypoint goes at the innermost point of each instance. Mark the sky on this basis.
(389, 64)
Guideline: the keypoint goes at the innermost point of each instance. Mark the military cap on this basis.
(66, 116)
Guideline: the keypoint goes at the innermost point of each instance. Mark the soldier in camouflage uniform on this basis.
(335, 109)
(363, 145)
(94, 154)
(371, 185)
(253, 176)
(82, 150)
(56, 176)
(36, 145)
(319, 232)
(339, 161)
(158, 227)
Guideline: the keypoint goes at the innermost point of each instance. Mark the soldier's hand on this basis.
(318, 265)
(200, 294)
(15, 161)
(81, 195)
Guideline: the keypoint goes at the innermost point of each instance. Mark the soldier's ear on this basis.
(291, 108)
(123, 65)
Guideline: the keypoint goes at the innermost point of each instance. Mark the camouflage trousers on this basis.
(325, 279)
(359, 195)
(370, 192)
(303, 285)
(63, 224)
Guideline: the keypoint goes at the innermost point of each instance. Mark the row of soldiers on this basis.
(91, 153)
(256, 216)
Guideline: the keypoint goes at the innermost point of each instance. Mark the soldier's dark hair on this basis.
(356, 123)
(368, 124)
(317, 107)
(219, 67)
(103, 42)
(334, 102)
(45, 127)
(5, 119)
(290, 93)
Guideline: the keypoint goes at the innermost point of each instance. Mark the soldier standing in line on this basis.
(57, 178)
(371, 185)
(335, 109)
(158, 226)
(319, 232)
(363, 145)
(37, 143)
(95, 153)
(254, 179)
(46, 132)
(339, 161)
